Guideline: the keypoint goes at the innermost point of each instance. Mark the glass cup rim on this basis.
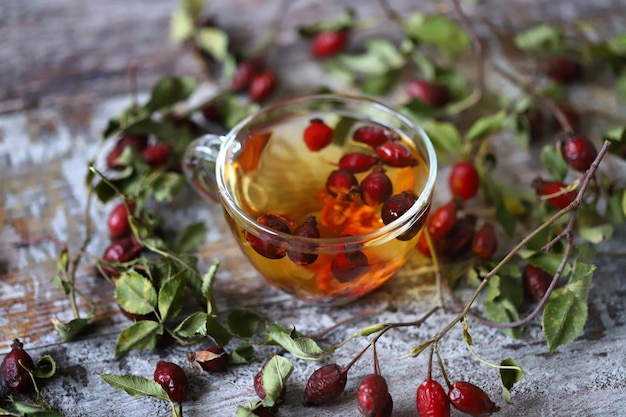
(321, 245)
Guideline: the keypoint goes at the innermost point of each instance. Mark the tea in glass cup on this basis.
(324, 194)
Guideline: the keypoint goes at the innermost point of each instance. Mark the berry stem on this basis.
(441, 367)
(554, 108)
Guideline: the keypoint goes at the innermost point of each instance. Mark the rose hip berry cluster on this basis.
(432, 400)
(154, 154)
(381, 150)
(124, 247)
(578, 152)
(454, 234)
(251, 77)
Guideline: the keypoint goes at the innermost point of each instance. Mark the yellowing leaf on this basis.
(139, 335)
(564, 318)
(274, 376)
(135, 293)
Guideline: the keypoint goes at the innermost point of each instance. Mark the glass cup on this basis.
(308, 222)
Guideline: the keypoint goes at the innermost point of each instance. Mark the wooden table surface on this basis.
(64, 73)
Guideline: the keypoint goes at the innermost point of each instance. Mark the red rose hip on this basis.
(396, 154)
(464, 180)
(317, 135)
(372, 395)
(578, 152)
(433, 94)
(260, 243)
(371, 135)
(156, 155)
(307, 229)
(262, 85)
(173, 380)
(564, 70)
(117, 221)
(121, 250)
(443, 220)
(245, 72)
(324, 385)
(348, 266)
(470, 399)
(15, 368)
(485, 242)
(536, 282)
(327, 43)
(432, 400)
(343, 184)
(212, 359)
(376, 187)
(555, 193)
(356, 162)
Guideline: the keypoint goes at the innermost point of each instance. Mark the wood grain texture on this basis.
(63, 73)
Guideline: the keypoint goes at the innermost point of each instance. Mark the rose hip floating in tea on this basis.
(371, 135)
(261, 245)
(343, 184)
(376, 187)
(396, 154)
(357, 162)
(317, 135)
(349, 266)
(307, 229)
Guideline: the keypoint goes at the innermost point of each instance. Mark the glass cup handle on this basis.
(199, 165)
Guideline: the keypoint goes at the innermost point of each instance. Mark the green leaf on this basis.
(564, 318)
(580, 280)
(46, 367)
(207, 286)
(486, 125)
(137, 386)
(193, 7)
(440, 31)
(444, 135)
(169, 91)
(242, 354)
(616, 207)
(247, 410)
(510, 377)
(549, 262)
(170, 299)
(554, 163)
(181, 26)
(67, 331)
(140, 335)
(502, 310)
(190, 238)
(503, 216)
(217, 332)
(493, 288)
(273, 377)
(597, 234)
(214, 41)
(167, 185)
(135, 293)
(378, 84)
(192, 325)
(415, 351)
(243, 322)
(31, 410)
(542, 37)
(380, 57)
(294, 342)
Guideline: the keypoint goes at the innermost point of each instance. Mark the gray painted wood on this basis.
(63, 73)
